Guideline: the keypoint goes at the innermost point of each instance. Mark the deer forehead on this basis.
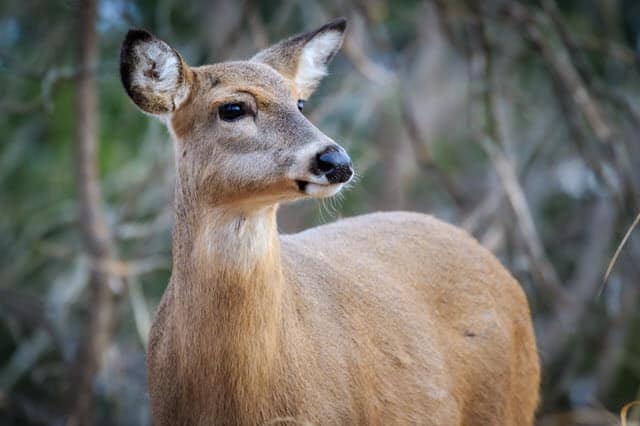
(266, 84)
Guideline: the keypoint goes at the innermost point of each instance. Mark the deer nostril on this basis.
(330, 160)
(335, 164)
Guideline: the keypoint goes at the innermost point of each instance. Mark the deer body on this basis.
(388, 318)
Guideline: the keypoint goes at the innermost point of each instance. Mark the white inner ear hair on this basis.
(158, 71)
(312, 66)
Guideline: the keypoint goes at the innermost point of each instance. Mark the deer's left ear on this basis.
(304, 58)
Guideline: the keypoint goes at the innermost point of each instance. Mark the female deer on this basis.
(388, 318)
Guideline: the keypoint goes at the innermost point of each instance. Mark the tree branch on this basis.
(560, 64)
(493, 144)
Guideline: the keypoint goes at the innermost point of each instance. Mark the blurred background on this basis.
(517, 120)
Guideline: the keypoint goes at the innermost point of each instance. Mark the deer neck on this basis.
(225, 247)
(228, 285)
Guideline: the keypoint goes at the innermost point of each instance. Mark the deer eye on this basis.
(232, 111)
(300, 105)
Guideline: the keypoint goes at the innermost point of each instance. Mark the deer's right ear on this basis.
(154, 75)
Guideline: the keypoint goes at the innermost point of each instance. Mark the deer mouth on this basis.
(318, 190)
(302, 185)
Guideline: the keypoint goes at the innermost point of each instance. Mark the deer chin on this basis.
(318, 190)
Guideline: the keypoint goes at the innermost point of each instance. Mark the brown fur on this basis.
(388, 318)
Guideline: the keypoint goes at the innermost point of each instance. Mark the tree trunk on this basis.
(97, 241)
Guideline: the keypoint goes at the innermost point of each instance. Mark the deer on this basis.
(387, 318)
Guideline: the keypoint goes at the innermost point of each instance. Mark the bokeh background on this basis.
(516, 120)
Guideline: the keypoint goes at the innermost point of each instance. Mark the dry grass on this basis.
(617, 252)
(624, 412)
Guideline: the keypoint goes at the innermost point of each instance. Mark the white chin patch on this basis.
(322, 191)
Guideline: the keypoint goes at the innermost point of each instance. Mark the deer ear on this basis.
(304, 58)
(154, 75)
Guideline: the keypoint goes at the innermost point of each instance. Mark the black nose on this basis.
(335, 164)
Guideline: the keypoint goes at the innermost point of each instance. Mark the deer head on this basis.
(240, 136)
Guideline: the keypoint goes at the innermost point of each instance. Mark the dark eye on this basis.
(300, 104)
(231, 111)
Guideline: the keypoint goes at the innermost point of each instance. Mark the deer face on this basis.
(240, 135)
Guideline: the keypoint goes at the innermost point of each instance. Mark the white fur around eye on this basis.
(158, 71)
(313, 60)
